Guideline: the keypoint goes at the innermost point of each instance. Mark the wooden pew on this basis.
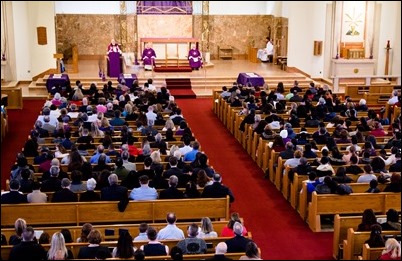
(261, 149)
(300, 195)
(371, 253)
(132, 228)
(353, 245)
(75, 247)
(341, 226)
(102, 212)
(355, 203)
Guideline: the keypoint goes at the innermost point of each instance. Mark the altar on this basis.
(352, 67)
(173, 51)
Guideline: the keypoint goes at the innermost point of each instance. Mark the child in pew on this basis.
(373, 187)
(376, 239)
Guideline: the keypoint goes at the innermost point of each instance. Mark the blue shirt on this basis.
(144, 193)
(95, 158)
(170, 232)
(141, 237)
(190, 156)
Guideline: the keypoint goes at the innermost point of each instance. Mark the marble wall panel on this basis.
(92, 33)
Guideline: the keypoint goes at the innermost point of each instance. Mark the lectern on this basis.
(114, 64)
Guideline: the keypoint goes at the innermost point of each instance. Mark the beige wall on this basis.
(92, 33)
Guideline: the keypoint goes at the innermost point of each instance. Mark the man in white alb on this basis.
(266, 54)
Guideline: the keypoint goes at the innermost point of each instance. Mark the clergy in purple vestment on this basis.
(114, 47)
(195, 58)
(148, 57)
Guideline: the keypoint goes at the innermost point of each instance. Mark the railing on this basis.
(368, 79)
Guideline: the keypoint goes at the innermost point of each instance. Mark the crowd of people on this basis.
(191, 242)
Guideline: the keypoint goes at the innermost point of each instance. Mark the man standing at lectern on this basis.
(195, 58)
(114, 62)
(148, 57)
(114, 47)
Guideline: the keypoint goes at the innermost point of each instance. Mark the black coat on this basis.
(65, 195)
(13, 197)
(114, 193)
(217, 190)
(171, 193)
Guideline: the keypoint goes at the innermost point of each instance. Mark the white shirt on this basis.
(393, 100)
(270, 48)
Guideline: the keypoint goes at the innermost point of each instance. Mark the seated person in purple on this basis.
(194, 58)
(148, 57)
(113, 47)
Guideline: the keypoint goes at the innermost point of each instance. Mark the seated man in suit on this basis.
(217, 190)
(172, 192)
(14, 196)
(65, 194)
(114, 192)
(238, 243)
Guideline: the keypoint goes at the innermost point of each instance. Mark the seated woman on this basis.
(194, 58)
(94, 248)
(228, 230)
(368, 219)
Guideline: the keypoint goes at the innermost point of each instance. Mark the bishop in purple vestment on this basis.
(148, 57)
(194, 58)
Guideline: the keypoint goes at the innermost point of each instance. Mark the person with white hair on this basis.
(392, 250)
(362, 105)
(148, 57)
(238, 243)
(114, 192)
(56, 99)
(90, 194)
(394, 98)
(220, 251)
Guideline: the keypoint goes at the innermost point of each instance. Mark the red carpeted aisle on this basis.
(275, 226)
(20, 123)
(180, 88)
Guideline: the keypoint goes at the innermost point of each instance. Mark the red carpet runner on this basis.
(20, 123)
(275, 226)
(180, 88)
(172, 69)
